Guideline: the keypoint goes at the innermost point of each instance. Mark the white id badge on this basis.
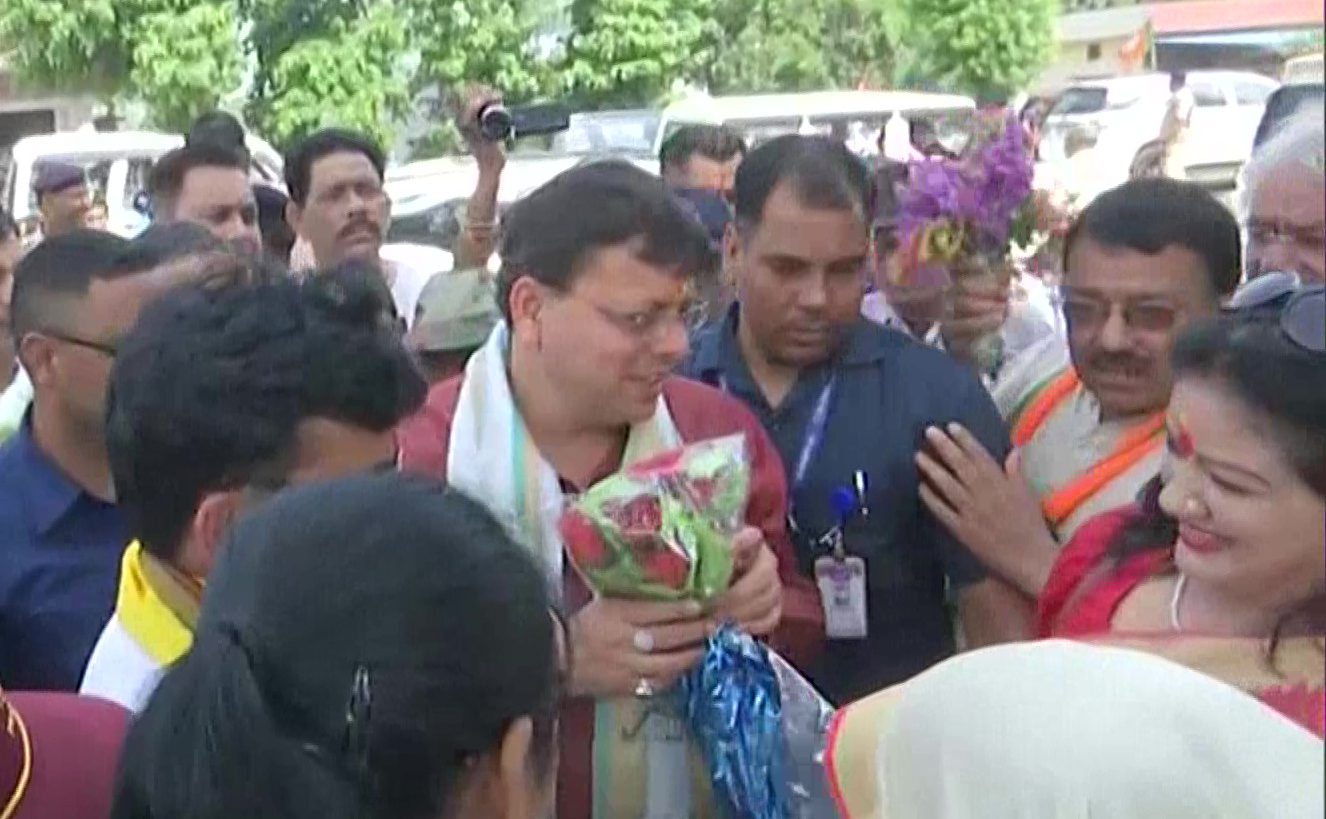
(842, 585)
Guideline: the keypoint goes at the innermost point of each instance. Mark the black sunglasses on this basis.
(1302, 308)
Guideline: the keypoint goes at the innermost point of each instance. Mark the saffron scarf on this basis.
(645, 765)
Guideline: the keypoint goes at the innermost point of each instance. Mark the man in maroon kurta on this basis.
(592, 341)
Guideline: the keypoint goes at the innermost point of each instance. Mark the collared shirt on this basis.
(60, 553)
(14, 403)
(887, 389)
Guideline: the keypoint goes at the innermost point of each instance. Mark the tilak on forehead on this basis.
(1180, 438)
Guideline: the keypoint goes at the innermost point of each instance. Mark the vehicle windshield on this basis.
(1083, 99)
(609, 132)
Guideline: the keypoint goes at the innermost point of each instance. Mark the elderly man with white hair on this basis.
(1285, 199)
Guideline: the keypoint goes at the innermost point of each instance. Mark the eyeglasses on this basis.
(107, 349)
(1302, 308)
(649, 325)
(1082, 311)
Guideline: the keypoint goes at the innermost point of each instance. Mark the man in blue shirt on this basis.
(61, 536)
(848, 404)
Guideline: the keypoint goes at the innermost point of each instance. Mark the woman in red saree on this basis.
(1221, 565)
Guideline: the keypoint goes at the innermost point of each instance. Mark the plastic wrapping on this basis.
(662, 528)
(763, 730)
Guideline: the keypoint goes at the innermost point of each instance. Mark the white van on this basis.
(117, 164)
(846, 114)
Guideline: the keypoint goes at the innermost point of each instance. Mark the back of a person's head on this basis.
(718, 143)
(167, 177)
(821, 172)
(278, 237)
(386, 641)
(1059, 729)
(549, 234)
(209, 389)
(58, 271)
(305, 153)
(1151, 214)
(218, 128)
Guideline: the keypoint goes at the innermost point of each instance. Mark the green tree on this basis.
(462, 42)
(799, 45)
(185, 62)
(988, 48)
(624, 53)
(62, 46)
(178, 56)
(327, 62)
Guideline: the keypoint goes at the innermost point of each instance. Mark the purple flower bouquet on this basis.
(959, 218)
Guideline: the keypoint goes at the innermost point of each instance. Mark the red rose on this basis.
(666, 568)
(582, 539)
(642, 515)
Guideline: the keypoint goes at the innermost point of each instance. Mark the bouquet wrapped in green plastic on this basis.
(662, 528)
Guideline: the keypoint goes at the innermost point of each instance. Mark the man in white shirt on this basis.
(1174, 128)
(339, 207)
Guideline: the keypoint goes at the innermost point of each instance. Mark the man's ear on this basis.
(215, 515)
(294, 216)
(37, 355)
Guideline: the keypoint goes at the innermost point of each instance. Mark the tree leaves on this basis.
(988, 48)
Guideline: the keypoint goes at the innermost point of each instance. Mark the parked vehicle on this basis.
(1123, 115)
(117, 164)
(842, 113)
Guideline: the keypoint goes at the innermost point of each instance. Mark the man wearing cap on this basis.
(62, 198)
(58, 755)
(455, 315)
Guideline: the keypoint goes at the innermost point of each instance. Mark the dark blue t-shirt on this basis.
(60, 551)
(887, 389)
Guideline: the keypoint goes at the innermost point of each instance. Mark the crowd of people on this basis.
(278, 512)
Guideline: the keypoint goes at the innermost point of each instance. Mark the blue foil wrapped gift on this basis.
(762, 728)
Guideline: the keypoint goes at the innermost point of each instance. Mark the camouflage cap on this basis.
(457, 311)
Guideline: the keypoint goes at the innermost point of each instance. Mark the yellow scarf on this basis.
(156, 606)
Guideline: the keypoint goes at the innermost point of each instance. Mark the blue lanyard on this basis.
(810, 443)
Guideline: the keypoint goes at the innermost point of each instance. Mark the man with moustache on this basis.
(339, 208)
(1141, 264)
(575, 382)
(846, 403)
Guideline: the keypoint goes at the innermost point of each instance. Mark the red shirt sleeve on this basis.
(422, 439)
(1065, 607)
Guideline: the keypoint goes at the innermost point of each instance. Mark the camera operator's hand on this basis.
(490, 154)
(478, 236)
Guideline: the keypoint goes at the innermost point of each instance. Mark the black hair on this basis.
(208, 389)
(218, 128)
(822, 172)
(166, 179)
(58, 269)
(278, 238)
(299, 160)
(1151, 214)
(1179, 77)
(719, 143)
(548, 234)
(165, 242)
(387, 636)
(1283, 384)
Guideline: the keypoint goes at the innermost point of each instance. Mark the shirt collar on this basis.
(50, 493)
(716, 345)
